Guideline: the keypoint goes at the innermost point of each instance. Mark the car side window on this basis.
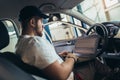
(12, 35)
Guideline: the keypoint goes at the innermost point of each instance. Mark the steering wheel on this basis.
(101, 31)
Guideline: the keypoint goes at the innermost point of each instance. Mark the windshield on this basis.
(100, 10)
(64, 28)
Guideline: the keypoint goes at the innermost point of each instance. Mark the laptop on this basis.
(86, 46)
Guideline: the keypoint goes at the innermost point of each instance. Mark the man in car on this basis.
(37, 51)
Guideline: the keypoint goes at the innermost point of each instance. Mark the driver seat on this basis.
(8, 70)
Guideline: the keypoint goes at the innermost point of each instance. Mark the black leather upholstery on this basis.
(9, 71)
(4, 37)
(16, 60)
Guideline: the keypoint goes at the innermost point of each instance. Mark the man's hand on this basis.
(66, 54)
(63, 54)
(71, 55)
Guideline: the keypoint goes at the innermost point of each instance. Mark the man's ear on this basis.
(32, 22)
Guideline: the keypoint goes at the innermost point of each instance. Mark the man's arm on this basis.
(57, 71)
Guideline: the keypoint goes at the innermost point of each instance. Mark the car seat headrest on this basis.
(4, 36)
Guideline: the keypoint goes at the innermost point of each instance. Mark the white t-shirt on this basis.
(36, 51)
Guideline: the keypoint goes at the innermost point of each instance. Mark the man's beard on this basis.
(40, 34)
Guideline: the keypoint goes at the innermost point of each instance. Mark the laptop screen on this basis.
(86, 45)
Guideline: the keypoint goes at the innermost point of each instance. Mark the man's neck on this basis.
(31, 33)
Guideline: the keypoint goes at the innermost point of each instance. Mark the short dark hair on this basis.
(30, 11)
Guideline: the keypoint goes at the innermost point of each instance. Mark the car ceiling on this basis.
(11, 8)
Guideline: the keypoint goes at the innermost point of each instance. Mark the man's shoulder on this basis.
(30, 38)
(25, 39)
(33, 40)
